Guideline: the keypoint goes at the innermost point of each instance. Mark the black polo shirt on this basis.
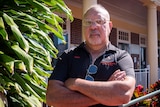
(75, 62)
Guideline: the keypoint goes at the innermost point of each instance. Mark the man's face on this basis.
(97, 28)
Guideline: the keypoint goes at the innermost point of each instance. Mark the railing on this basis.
(132, 102)
(143, 77)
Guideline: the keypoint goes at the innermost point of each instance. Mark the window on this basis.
(123, 39)
(143, 41)
(123, 36)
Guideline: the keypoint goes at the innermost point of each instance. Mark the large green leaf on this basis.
(3, 32)
(7, 62)
(27, 59)
(39, 6)
(1, 103)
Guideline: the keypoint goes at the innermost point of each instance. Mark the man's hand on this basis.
(118, 75)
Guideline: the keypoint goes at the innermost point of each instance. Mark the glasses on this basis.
(89, 22)
(92, 69)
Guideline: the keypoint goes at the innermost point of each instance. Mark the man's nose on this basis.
(93, 25)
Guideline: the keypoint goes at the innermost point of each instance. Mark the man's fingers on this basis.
(118, 75)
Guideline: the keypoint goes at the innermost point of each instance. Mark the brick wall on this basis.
(76, 31)
(113, 36)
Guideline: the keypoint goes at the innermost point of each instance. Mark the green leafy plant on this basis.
(26, 51)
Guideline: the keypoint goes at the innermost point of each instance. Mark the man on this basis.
(94, 74)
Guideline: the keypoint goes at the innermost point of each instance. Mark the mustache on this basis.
(94, 32)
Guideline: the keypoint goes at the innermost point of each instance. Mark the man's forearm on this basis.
(73, 100)
(100, 92)
(60, 96)
(108, 93)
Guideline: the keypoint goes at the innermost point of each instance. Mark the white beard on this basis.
(94, 41)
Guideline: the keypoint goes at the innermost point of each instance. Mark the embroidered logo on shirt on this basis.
(109, 60)
(76, 56)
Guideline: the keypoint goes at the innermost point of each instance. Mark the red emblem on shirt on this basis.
(76, 56)
(109, 60)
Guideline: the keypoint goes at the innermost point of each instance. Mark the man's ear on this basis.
(110, 24)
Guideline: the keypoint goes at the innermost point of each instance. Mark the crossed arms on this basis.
(76, 92)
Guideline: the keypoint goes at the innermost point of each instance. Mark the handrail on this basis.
(132, 102)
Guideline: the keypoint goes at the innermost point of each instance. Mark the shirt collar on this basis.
(110, 47)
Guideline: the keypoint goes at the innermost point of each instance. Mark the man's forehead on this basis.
(96, 13)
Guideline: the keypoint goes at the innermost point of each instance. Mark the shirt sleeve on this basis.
(126, 63)
(60, 71)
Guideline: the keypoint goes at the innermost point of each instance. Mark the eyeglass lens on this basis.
(91, 70)
(89, 78)
(88, 22)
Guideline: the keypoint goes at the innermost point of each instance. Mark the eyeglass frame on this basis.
(88, 74)
(89, 22)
